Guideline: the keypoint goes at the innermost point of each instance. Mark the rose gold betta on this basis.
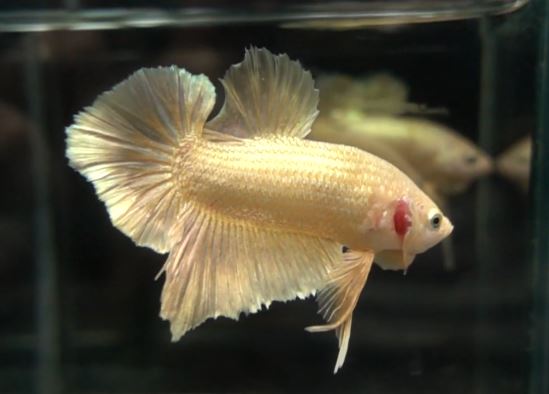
(248, 210)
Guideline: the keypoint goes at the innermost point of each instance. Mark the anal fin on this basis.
(224, 267)
(337, 300)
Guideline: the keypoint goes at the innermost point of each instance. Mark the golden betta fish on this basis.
(514, 164)
(249, 211)
(442, 157)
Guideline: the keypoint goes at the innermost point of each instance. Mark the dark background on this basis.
(431, 331)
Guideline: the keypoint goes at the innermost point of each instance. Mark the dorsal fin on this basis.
(267, 95)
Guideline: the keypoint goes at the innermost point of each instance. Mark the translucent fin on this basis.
(379, 94)
(337, 91)
(126, 141)
(221, 267)
(267, 95)
(385, 94)
(337, 300)
(384, 87)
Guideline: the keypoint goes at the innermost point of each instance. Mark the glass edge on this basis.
(375, 14)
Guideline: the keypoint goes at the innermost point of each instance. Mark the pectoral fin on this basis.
(338, 298)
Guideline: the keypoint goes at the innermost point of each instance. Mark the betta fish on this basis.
(514, 163)
(248, 211)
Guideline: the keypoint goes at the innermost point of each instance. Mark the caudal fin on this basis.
(337, 300)
(126, 144)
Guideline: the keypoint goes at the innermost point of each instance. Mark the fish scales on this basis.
(290, 184)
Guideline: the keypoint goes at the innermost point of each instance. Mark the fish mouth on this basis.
(448, 227)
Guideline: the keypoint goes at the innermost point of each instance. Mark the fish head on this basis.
(459, 162)
(418, 224)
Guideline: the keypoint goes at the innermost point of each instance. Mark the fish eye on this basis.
(435, 220)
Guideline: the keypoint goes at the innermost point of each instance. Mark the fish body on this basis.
(514, 163)
(249, 211)
(441, 156)
(330, 129)
(316, 188)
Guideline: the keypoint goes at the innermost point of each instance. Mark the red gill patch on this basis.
(401, 218)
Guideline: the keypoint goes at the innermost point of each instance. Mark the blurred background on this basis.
(79, 306)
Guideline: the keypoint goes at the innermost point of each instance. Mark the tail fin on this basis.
(126, 142)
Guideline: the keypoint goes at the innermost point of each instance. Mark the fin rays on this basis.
(125, 143)
(338, 298)
(267, 96)
(222, 267)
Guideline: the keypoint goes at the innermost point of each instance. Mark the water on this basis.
(80, 306)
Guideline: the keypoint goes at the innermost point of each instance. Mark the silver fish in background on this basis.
(514, 163)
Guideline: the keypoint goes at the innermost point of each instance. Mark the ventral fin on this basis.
(337, 300)
(223, 267)
(267, 95)
(126, 141)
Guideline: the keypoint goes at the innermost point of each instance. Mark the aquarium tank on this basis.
(453, 93)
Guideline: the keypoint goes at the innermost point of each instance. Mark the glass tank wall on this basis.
(80, 305)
